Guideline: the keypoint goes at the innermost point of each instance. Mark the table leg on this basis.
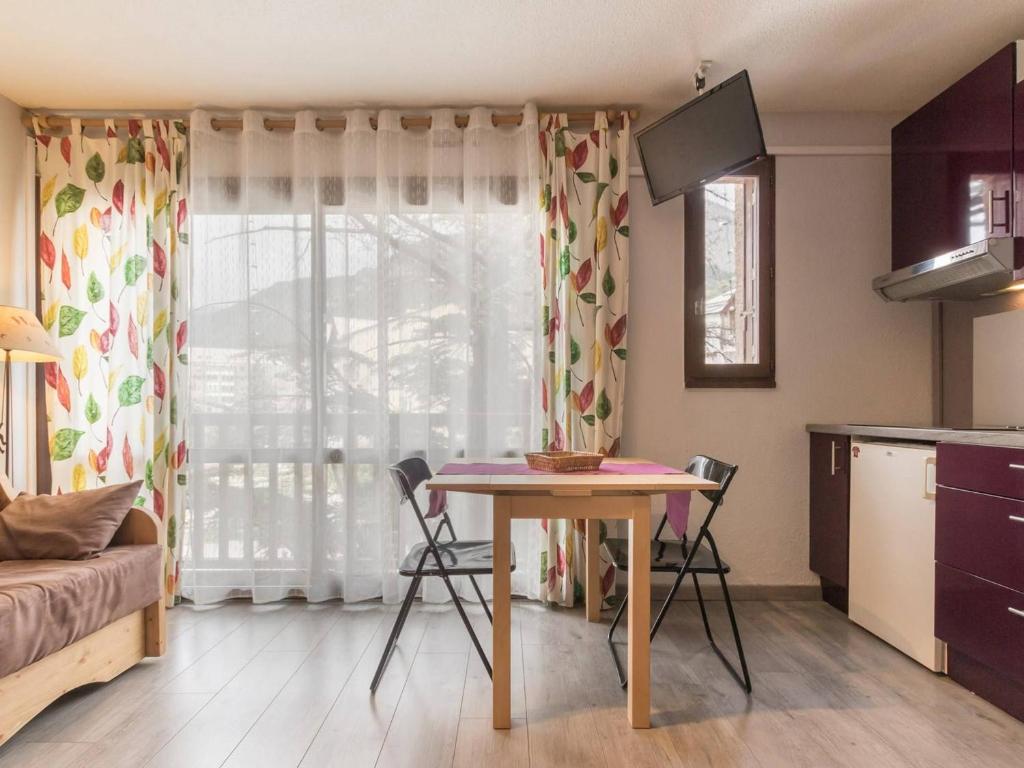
(593, 570)
(638, 706)
(501, 662)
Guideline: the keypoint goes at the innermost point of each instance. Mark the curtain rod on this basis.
(322, 123)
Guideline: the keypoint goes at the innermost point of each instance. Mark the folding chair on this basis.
(434, 557)
(680, 558)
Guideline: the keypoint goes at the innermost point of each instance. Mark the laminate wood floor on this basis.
(287, 685)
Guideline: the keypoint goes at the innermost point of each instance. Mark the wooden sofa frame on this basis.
(96, 658)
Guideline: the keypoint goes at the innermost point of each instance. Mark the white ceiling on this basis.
(803, 55)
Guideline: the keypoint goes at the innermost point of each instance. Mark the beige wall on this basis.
(12, 202)
(842, 354)
(15, 272)
(957, 335)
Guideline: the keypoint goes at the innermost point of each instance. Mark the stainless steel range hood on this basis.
(966, 273)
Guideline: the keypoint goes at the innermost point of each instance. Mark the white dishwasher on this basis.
(892, 547)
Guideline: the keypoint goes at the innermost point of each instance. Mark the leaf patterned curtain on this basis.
(584, 256)
(112, 241)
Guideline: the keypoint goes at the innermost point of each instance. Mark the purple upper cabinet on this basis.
(953, 165)
(1018, 152)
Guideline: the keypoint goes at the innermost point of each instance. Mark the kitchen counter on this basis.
(1006, 438)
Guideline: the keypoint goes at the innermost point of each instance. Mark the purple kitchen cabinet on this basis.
(1018, 163)
(980, 619)
(830, 515)
(983, 468)
(953, 165)
(981, 534)
(979, 569)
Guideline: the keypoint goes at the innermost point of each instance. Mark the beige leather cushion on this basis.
(72, 526)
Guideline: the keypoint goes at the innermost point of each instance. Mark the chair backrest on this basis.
(408, 475)
(706, 468)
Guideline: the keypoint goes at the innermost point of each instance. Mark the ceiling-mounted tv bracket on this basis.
(700, 76)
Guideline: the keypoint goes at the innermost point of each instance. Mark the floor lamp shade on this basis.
(22, 340)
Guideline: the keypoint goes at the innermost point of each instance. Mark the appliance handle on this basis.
(1016, 612)
(834, 458)
(1004, 198)
(1017, 466)
(929, 474)
(1017, 518)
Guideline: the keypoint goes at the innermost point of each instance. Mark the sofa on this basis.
(67, 623)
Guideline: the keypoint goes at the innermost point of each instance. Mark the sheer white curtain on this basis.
(358, 296)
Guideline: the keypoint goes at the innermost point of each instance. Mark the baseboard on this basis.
(835, 595)
(805, 592)
(741, 591)
(989, 684)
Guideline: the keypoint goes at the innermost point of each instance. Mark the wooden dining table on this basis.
(592, 497)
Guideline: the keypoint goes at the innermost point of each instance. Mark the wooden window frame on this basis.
(697, 372)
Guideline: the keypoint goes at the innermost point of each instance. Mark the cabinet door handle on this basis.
(833, 458)
(1017, 612)
(1017, 518)
(1017, 466)
(1005, 200)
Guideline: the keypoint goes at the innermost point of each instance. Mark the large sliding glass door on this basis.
(325, 347)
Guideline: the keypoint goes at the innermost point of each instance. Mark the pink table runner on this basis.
(677, 505)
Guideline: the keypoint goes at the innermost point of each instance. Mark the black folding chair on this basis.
(436, 558)
(680, 558)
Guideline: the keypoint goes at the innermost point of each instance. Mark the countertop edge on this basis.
(923, 434)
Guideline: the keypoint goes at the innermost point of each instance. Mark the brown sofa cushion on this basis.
(6, 491)
(72, 526)
(46, 605)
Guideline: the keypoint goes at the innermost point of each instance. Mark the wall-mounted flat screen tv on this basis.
(715, 134)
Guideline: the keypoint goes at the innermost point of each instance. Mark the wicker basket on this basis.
(564, 461)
